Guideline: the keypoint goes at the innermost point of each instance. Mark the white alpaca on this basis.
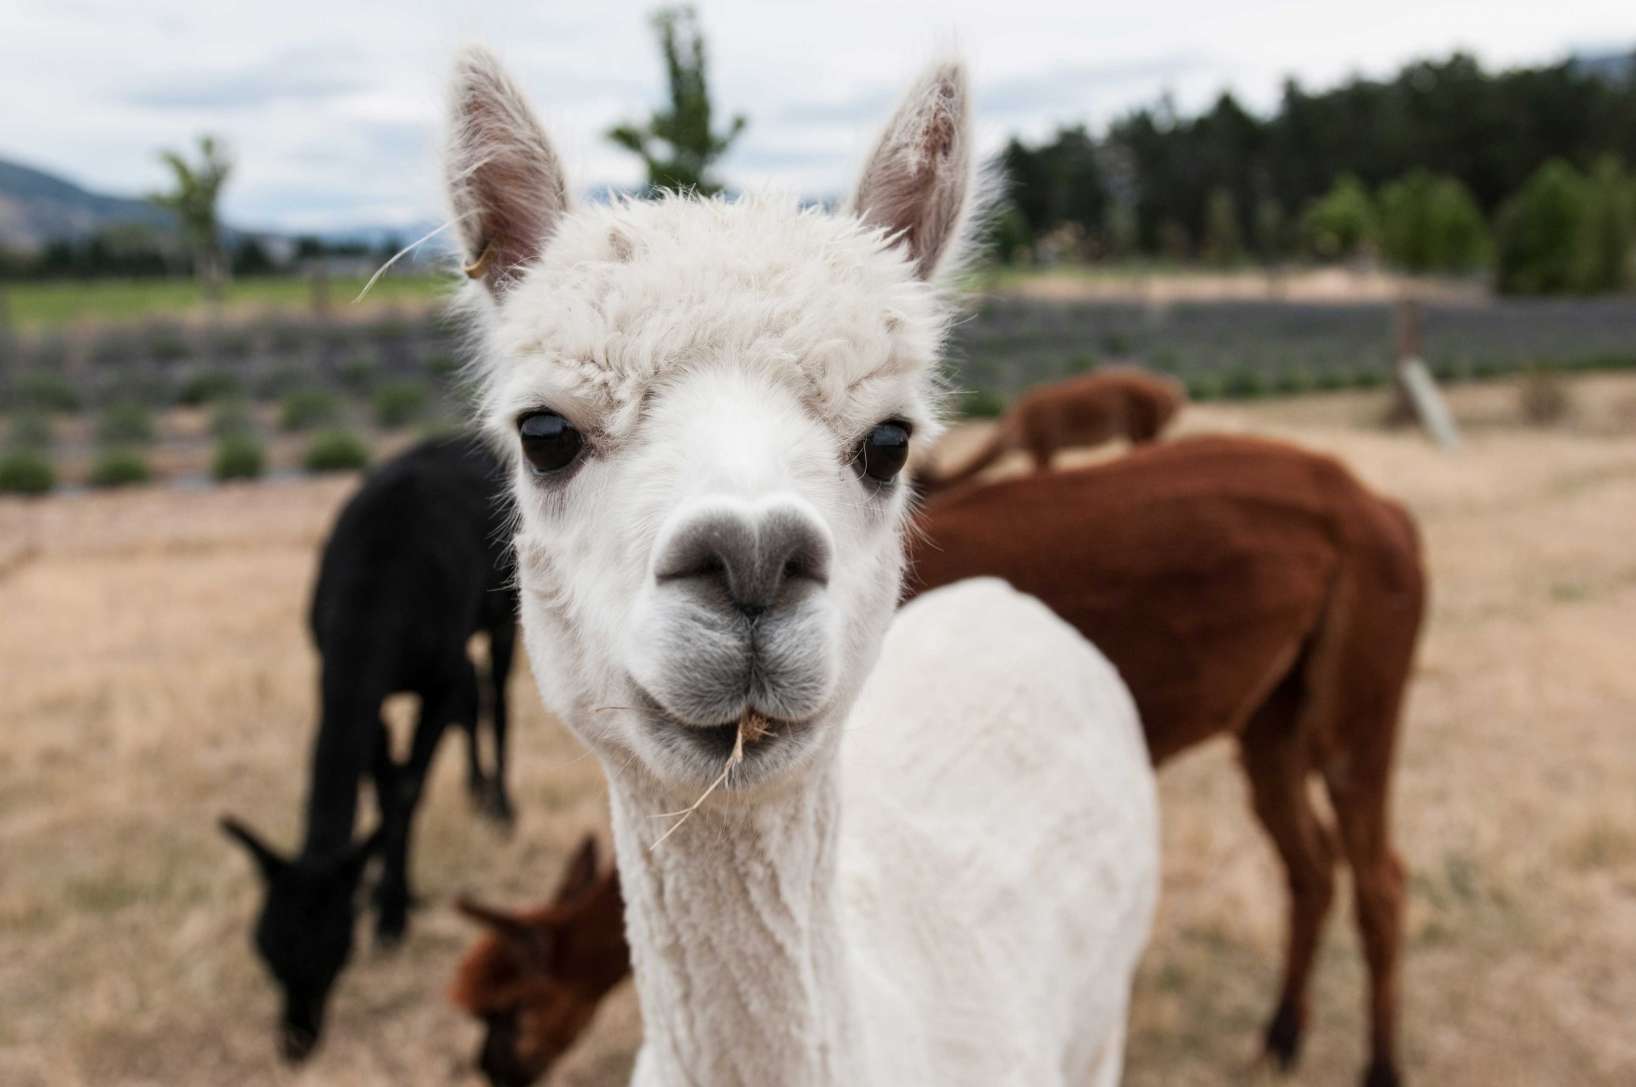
(944, 876)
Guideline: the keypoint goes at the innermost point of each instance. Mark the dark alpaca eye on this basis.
(550, 442)
(884, 451)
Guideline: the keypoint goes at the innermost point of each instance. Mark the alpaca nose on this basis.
(753, 561)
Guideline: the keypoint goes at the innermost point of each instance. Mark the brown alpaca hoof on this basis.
(1382, 1074)
(1284, 1036)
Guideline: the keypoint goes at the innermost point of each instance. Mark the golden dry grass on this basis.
(157, 672)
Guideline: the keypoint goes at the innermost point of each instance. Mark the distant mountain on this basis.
(37, 208)
(1613, 66)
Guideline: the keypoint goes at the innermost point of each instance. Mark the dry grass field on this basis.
(156, 672)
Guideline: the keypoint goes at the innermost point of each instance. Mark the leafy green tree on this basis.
(1341, 223)
(1222, 238)
(1431, 224)
(195, 194)
(679, 143)
(1537, 236)
(1605, 232)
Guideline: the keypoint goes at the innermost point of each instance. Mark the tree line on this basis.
(1443, 167)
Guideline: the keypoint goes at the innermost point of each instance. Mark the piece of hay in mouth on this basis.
(752, 727)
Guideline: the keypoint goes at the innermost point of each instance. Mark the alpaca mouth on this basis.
(713, 743)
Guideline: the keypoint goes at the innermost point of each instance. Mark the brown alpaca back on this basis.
(1080, 412)
(1240, 586)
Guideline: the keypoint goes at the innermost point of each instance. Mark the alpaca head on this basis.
(304, 930)
(706, 404)
(536, 979)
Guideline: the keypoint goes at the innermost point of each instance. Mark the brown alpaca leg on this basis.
(1360, 801)
(1278, 766)
(1041, 447)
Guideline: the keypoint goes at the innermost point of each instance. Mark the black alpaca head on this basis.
(304, 931)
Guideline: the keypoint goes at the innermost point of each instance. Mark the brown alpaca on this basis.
(1079, 412)
(537, 977)
(1241, 586)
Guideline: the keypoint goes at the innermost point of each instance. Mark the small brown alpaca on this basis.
(1241, 586)
(1079, 412)
(536, 978)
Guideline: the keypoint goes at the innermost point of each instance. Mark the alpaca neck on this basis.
(735, 937)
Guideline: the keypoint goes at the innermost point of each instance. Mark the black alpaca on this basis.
(416, 564)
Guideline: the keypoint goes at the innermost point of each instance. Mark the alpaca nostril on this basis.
(751, 563)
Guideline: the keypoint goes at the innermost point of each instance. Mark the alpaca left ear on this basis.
(918, 181)
(505, 184)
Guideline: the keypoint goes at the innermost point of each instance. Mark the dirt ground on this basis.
(156, 672)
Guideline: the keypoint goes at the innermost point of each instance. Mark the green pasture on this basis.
(57, 303)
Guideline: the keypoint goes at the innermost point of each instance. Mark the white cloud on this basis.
(332, 108)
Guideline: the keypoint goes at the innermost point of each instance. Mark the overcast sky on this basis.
(331, 106)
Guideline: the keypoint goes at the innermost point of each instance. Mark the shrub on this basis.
(1292, 381)
(1607, 227)
(399, 403)
(1223, 241)
(335, 451)
(304, 409)
(358, 374)
(1245, 383)
(981, 404)
(279, 382)
(1202, 387)
(231, 346)
(48, 392)
(125, 423)
(231, 417)
(238, 456)
(1538, 232)
(119, 468)
(204, 386)
(1543, 398)
(1342, 222)
(169, 344)
(442, 365)
(1431, 224)
(30, 431)
(1332, 378)
(24, 471)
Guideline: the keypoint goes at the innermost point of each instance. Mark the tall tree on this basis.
(194, 196)
(679, 143)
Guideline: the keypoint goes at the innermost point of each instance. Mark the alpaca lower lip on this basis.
(712, 741)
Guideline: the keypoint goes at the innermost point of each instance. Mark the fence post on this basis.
(1416, 389)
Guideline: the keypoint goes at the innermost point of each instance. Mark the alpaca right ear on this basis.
(917, 185)
(505, 183)
(270, 864)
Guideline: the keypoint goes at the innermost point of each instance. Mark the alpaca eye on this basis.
(550, 442)
(884, 451)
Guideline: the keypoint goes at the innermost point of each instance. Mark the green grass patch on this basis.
(335, 451)
(65, 302)
(238, 456)
(119, 468)
(304, 409)
(25, 471)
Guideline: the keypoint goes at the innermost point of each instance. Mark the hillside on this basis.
(37, 208)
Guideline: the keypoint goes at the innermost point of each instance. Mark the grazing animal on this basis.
(536, 978)
(707, 405)
(415, 565)
(1247, 587)
(1081, 411)
(1240, 586)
